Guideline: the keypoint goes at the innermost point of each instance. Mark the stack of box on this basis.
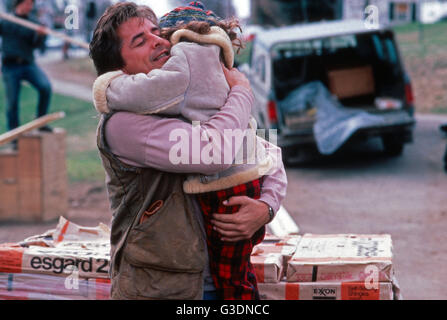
(326, 267)
(68, 263)
(72, 263)
(270, 258)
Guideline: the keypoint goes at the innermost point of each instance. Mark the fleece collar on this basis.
(216, 36)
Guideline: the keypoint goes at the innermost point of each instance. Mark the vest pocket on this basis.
(164, 256)
(168, 240)
(150, 284)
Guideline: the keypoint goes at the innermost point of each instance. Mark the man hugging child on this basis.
(191, 85)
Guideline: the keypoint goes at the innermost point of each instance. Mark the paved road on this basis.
(364, 192)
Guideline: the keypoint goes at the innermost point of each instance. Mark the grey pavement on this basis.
(72, 90)
(62, 87)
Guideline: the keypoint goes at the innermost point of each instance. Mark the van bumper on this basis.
(398, 124)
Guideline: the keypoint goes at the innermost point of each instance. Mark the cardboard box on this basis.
(22, 286)
(99, 289)
(324, 291)
(286, 247)
(41, 284)
(341, 258)
(74, 249)
(90, 261)
(352, 82)
(33, 180)
(268, 267)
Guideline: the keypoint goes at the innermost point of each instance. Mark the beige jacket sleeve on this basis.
(161, 90)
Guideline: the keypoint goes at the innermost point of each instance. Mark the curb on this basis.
(431, 117)
(72, 90)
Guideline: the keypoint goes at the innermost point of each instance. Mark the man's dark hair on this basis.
(17, 3)
(105, 48)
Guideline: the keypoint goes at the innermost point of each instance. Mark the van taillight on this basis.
(409, 94)
(272, 112)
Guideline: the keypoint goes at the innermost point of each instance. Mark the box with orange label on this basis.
(268, 267)
(23, 286)
(285, 246)
(325, 291)
(60, 252)
(341, 258)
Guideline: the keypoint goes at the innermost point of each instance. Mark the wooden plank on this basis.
(30, 178)
(9, 201)
(39, 122)
(33, 26)
(54, 175)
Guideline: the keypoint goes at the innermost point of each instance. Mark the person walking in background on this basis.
(18, 63)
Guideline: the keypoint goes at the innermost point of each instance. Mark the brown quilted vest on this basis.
(164, 256)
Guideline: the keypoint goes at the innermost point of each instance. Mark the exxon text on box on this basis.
(340, 258)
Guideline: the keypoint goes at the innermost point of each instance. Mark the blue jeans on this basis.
(13, 74)
(210, 295)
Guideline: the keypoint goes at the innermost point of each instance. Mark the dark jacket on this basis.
(18, 41)
(164, 256)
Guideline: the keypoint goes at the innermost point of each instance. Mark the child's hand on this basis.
(235, 78)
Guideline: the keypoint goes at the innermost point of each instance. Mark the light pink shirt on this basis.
(144, 141)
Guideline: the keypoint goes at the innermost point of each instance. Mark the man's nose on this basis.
(158, 41)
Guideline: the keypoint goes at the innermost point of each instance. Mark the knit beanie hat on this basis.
(195, 11)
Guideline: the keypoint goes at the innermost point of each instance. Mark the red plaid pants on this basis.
(231, 270)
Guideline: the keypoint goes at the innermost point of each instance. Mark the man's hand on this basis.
(236, 78)
(252, 215)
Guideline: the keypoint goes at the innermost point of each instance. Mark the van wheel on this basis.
(393, 146)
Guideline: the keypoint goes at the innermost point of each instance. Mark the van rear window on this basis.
(300, 62)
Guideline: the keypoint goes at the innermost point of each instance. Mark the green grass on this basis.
(83, 162)
(422, 40)
(440, 110)
(424, 51)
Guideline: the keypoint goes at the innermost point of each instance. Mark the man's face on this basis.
(25, 7)
(143, 50)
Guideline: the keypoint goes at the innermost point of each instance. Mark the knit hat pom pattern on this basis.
(195, 11)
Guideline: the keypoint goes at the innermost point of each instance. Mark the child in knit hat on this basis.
(192, 85)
